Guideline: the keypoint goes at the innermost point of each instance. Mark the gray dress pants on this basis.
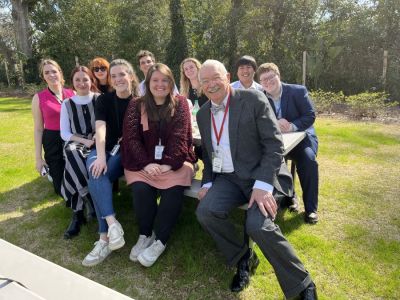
(229, 192)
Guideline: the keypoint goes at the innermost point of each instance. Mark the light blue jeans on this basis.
(101, 188)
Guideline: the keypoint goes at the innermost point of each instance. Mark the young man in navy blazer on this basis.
(295, 112)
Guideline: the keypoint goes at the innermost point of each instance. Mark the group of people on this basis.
(111, 125)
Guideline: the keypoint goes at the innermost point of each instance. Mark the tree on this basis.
(20, 15)
(235, 17)
(177, 49)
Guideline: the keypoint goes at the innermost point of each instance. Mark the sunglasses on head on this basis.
(98, 69)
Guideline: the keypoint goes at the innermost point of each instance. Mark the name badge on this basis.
(115, 150)
(216, 162)
(158, 152)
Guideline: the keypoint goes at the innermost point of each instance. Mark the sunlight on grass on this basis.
(44, 205)
(352, 253)
(11, 215)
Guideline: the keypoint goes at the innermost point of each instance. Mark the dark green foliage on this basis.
(344, 39)
(177, 49)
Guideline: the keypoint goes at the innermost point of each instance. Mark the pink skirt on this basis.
(182, 176)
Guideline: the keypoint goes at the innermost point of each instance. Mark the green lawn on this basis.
(352, 253)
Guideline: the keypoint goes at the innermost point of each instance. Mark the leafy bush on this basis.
(328, 102)
(368, 105)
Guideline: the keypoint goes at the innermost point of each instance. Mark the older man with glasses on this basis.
(243, 163)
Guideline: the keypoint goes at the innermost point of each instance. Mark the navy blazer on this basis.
(298, 108)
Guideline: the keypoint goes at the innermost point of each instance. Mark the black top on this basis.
(104, 88)
(111, 109)
(193, 96)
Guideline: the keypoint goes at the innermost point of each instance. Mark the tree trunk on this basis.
(235, 17)
(20, 16)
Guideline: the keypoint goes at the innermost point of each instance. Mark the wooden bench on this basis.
(290, 140)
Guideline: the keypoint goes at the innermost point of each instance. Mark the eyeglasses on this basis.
(98, 69)
(206, 82)
(269, 78)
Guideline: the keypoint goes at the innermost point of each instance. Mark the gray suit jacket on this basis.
(255, 141)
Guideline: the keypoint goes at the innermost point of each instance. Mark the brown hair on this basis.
(143, 53)
(101, 62)
(93, 86)
(131, 71)
(168, 108)
(267, 67)
(48, 61)
(185, 82)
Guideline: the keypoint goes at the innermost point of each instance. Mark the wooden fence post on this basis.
(385, 59)
(8, 76)
(22, 77)
(304, 67)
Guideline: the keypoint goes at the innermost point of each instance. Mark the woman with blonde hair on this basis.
(190, 85)
(158, 159)
(100, 68)
(104, 163)
(46, 107)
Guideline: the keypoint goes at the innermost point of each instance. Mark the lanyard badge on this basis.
(217, 161)
(217, 157)
(158, 151)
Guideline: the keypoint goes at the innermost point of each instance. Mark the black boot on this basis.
(89, 208)
(75, 226)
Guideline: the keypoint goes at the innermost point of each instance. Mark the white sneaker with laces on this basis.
(97, 255)
(142, 243)
(115, 236)
(149, 256)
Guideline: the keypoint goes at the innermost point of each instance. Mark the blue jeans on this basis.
(101, 188)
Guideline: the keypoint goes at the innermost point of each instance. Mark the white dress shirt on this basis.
(254, 86)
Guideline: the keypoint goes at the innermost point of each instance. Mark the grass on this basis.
(353, 252)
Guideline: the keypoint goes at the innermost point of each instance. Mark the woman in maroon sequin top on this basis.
(157, 156)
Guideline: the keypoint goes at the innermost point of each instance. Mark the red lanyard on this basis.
(218, 136)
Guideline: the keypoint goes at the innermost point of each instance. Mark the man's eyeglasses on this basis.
(268, 78)
(206, 82)
(98, 69)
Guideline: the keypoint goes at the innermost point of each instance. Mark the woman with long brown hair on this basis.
(158, 158)
(77, 126)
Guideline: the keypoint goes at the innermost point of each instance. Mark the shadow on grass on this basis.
(34, 218)
(15, 104)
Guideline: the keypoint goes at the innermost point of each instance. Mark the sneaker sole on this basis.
(91, 264)
(116, 245)
(134, 259)
(144, 262)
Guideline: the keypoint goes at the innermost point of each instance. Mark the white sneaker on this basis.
(149, 256)
(142, 243)
(115, 236)
(97, 255)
